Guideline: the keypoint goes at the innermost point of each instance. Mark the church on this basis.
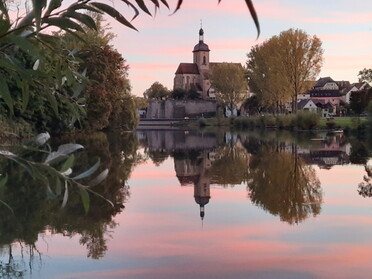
(195, 76)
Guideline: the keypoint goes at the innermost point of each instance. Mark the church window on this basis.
(204, 61)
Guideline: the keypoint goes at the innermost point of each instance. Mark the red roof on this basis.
(187, 68)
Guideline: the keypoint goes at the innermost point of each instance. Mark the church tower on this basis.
(201, 53)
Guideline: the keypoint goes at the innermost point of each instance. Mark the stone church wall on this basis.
(181, 108)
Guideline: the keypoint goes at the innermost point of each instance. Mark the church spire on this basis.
(201, 32)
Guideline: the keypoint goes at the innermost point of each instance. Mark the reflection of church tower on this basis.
(202, 193)
(194, 172)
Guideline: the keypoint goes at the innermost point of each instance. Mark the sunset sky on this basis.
(163, 41)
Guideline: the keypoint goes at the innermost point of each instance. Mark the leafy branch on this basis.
(54, 170)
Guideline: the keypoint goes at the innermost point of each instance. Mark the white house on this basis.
(307, 105)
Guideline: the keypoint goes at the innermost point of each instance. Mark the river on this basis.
(199, 204)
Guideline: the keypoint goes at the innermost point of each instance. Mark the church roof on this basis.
(212, 64)
(187, 68)
(201, 46)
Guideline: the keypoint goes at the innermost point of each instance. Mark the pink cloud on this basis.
(340, 17)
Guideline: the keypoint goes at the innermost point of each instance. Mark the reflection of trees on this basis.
(359, 152)
(36, 211)
(230, 167)
(157, 156)
(282, 184)
(365, 187)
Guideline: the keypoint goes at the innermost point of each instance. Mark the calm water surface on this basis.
(203, 205)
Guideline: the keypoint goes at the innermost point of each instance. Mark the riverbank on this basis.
(300, 121)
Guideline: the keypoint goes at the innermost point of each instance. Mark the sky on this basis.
(164, 40)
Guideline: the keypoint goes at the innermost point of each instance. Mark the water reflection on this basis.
(276, 167)
(283, 184)
(276, 171)
(37, 213)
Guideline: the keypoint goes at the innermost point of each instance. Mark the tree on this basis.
(156, 91)
(302, 57)
(252, 105)
(283, 65)
(360, 99)
(265, 77)
(365, 75)
(229, 81)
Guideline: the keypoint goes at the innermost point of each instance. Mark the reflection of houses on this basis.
(329, 153)
(325, 153)
(175, 140)
(193, 171)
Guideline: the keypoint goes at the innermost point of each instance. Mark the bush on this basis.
(285, 121)
(331, 124)
(306, 120)
(264, 121)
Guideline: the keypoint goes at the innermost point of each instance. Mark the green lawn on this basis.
(343, 122)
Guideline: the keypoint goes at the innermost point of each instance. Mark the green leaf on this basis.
(52, 101)
(83, 18)
(63, 150)
(88, 172)
(85, 198)
(113, 13)
(58, 186)
(50, 193)
(179, 4)
(3, 181)
(25, 94)
(77, 89)
(78, 6)
(7, 206)
(4, 25)
(5, 94)
(27, 20)
(4, 10)
(63, 23)
(254, 16)
(98, 179)
(24, 164)
(25, 44)
(165, 3)
(133, 7)
(54, 4)
(156, 3)
(38, 7)
(68, 163)
(11, 64)
(65, 196)
(143, 7)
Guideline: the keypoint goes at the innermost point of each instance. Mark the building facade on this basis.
(195, 76)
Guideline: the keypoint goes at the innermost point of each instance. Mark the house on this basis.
(335, 92)
(332, 96)
(195, 76)
(328, 95)
(358, 86)
(326, 109)
(307, 105)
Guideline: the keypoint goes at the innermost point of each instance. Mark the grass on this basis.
(350, 122)
(300, 121)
